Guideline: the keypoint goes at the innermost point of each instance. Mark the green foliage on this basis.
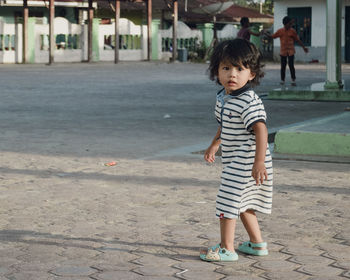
(267, 6)
(199, 54)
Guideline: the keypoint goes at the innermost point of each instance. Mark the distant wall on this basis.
(317, 50)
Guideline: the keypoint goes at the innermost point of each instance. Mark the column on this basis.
(208, 33)
(175, 19)
(95, 39)
(90, 19)
(333, 45)
(149, 29)
(155, 42)
(25, 31)
(52, 43)
(116, 31)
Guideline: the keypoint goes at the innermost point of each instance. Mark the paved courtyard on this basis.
(65, 215)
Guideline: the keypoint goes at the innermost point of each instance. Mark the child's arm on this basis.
(296, 38)
(306, 50)
(259, 172)
(254, 33)
(209, 155)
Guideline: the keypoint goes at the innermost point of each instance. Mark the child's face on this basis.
(289, 24)
(232, 77)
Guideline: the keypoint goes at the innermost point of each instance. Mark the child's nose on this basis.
(233, 73)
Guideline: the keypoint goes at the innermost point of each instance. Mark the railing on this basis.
(126, 42)
(183, 43)
(7, 42)
(63, 41)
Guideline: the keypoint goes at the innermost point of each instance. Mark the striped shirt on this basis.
(237, 113)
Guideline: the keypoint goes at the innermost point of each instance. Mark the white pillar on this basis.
(333, 45)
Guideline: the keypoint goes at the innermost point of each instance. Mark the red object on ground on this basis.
(112, 163)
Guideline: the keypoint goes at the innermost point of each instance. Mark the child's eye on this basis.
(225, 68)
(239, 68)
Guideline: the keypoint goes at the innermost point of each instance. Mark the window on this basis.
(302, 25)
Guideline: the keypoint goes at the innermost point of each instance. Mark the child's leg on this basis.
(283, 67)
(291, 67)
(251, 225)
(227, 230)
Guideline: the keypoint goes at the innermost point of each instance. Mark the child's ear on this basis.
(252, 76)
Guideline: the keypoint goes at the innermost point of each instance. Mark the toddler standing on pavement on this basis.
(246, 180)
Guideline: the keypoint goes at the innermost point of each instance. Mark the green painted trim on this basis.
(155, 29)
(337, 43)
(205, 25)
(208, 33)
(307, 95)
(95, 36)
(31, 41)
(333, 85)
(255, 39)
(312, 143)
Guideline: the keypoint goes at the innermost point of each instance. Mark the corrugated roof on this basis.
(232, 14)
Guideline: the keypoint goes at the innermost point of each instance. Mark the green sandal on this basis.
(218, 254)
(248, 248)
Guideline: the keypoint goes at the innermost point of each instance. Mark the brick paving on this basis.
(65, 215)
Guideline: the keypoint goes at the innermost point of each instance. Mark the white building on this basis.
(310, 24)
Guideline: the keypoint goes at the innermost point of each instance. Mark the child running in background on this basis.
(246, 180)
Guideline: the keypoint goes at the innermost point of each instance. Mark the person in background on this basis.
(245, 31)
(288, 36)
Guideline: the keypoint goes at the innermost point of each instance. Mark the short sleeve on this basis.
(218, 112)
(276, 34)
(253, 112)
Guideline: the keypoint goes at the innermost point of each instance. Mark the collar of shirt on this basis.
(223, 97)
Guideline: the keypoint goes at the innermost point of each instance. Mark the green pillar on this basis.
(31, 40)
(95, 37)
(333, 45)
(155, 41)
(208, 33)
(255, 39)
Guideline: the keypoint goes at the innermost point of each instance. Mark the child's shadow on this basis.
(48, 239)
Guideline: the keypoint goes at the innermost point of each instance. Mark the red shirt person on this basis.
(287, 37)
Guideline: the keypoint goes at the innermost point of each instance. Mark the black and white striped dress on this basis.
(236, 113)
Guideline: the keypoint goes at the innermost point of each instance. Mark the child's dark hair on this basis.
(238, 52)
(244, 21)
(286, 20)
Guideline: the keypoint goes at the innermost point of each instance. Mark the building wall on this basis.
(7, 14)
(317, 50)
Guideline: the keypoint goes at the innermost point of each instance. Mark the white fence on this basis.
(10, 42)
(70, 38)
(71, 41)
(132, 41)
(187, 38)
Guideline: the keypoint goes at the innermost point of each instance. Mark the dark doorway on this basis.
(302, 24)
(347, 34)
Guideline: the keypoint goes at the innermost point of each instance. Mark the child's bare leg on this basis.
(251, 225)
(227, 230)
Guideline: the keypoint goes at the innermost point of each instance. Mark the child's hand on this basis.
(259, 172)
(209, 154)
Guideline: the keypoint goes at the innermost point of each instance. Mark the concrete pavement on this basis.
(65, 215)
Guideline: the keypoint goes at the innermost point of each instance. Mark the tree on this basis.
(267, 6)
